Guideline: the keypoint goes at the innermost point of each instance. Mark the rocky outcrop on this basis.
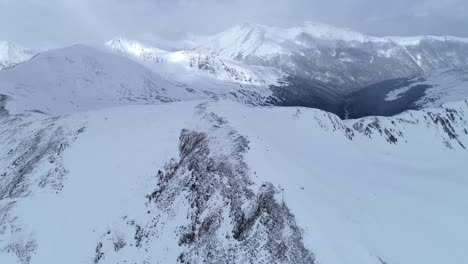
(227, 218)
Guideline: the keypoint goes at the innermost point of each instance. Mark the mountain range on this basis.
(311, 144)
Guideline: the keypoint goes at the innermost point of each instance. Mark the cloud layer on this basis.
(60, 22)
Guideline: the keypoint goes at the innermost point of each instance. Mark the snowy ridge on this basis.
(325, 32)
(261, 40)
(81, 78)
(136, 154)
(247, 39)
(190, 177)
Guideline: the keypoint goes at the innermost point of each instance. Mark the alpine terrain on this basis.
(311, 144)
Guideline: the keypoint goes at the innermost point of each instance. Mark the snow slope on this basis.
(446, 85)
(261, 40)
(342, 58)
(223, 182)
(80, 78)
(133, 155)
(422, 91)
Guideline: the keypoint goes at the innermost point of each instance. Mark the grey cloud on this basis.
(35, 22)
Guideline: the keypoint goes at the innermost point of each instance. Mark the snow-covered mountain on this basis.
(226, 183)
(390, 97)
(313, 65)
(81, 78)
(12, 54)
(176, 64)
(341, 58)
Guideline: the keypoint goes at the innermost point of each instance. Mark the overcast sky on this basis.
(63, 22)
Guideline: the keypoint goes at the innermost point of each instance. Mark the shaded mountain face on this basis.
(223, 182)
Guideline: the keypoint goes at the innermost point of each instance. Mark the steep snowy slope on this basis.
(80, 78)
(213, 64)
(194, 182)
(417, 92)
(341, 58)
(12, 54)
(260, 40)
